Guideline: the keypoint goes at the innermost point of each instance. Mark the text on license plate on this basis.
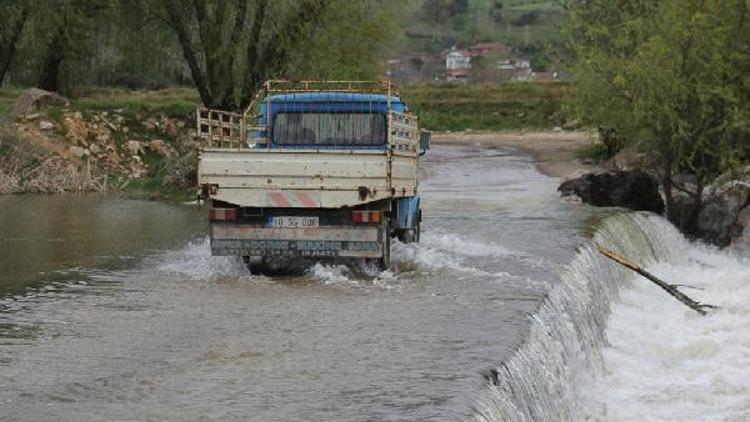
(294, 221)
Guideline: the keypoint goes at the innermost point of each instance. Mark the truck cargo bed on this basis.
(297, 178)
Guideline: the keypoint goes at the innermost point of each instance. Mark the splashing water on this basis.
(608, 346)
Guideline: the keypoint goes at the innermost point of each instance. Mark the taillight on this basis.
(366, 217)
(222, 214)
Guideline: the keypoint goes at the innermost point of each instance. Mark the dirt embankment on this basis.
(555, 152)
(63, 147)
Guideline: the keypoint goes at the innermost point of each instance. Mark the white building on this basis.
(457, 60)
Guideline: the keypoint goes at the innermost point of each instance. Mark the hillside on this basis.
(532, 27)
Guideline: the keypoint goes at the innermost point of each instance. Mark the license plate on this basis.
(294, 222)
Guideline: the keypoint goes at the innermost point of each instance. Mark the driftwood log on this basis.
(669, 288)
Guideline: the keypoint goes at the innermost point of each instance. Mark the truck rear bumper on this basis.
(325, 241)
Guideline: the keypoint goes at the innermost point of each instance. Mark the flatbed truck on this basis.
(312, 169)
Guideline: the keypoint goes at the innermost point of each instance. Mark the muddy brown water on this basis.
(113, 309)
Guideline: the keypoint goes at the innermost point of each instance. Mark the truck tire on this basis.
(257, 266)
(412, 235)
(383, 263)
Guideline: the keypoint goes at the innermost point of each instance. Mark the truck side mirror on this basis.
(424, 141)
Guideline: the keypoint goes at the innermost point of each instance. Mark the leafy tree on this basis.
(61, 36)
(496, 12)
(669, 76)
(442, 11)
(346, 43)
(231, 47)
(14, 15)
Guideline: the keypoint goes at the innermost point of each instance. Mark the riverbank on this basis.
(555, 153)
(136, 144)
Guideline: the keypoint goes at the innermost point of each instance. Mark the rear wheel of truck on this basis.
(256, 266)
(412, 235)
(383, 263)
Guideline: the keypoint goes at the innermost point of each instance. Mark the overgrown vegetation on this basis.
(224, 48)
(505, 106)
(136, 143)
(670, 77)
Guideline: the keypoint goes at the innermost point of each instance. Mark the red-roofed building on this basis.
(485, 48)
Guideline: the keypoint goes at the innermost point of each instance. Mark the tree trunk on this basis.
(50, 75)
(667, 185)
(175, 14)
(8, 45)
(692, 224)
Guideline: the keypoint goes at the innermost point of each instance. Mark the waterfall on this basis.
(567, 333)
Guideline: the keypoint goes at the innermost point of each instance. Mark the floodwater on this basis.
(114, 310)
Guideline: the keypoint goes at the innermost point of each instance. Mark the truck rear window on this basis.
(329, 129)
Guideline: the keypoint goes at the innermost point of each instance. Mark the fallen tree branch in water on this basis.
(669, 288)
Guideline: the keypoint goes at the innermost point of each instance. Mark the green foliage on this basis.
(58, 43)
(7, 100)
(153, 188)
(13, 17)
(443, 11)
(349, 47)
(176, 102)
(225, 48)
(532, 27)
(667, 75)
(594, 152)
(231, 48)
(504, 106)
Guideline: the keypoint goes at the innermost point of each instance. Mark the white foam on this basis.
(194, 260)
(446, 251)
(664, 362)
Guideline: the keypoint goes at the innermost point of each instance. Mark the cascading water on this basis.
(577, 364)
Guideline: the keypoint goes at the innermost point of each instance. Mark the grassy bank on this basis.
(490, 107)
(135, 143)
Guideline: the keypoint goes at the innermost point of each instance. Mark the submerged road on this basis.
(114, 310)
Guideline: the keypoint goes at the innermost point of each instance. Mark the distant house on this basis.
(516, 69)
(417, 67)
(457, 60)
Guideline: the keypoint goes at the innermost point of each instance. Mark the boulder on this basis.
(35, 99)
(135, 147)
(627, 159)
(572, 125)
(46, 125)
(78, 152)
(76, 131)
(635, 190)
(160, 147)
(741, 242)
(170, 128)
(150, 124)
(725, 216)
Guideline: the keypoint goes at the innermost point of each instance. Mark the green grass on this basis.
(172, 102)
(596, 153)
(7, 99)
(153, 188)
(542, 6)
(502, 106)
